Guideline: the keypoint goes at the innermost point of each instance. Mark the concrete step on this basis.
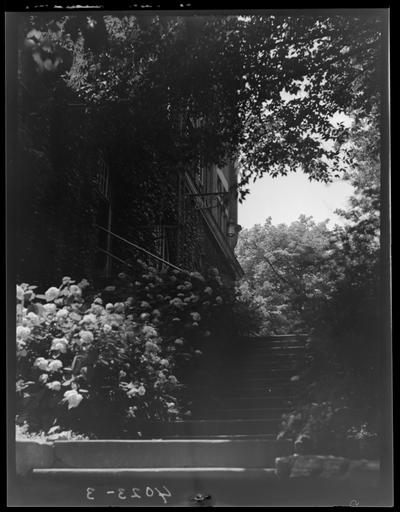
(195, 428)
(224, 487)
(147, 473)
(271, 359)
(232, 437)
(276, 347)
(257, 389)
(178, 453)
(266, 366)
(253, 401)
(249, 380)
(247, 413)
(158, 487)
(270, 372)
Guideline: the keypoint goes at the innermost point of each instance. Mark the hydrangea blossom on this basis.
(54, 386)
(73, 398)
(59, 344)
(173, 380)
(195, 316)
(23, 332)
(149, 331)
(107, 328)
(52, 293)
(41, 363)
(55, 365)
(86, 336)
(89, 319)
(20, 293)
(75, 290)
(151, 347)
(50, 309)
(177, 302)
(62, 313)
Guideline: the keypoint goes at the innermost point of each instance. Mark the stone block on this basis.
(32, 454)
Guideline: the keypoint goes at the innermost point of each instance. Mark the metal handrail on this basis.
(142, 249)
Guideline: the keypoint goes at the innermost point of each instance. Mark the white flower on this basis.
(54, 386)
(73, 398)
(54, 365)
(59, 344)
(198, 352)
(98, 300)
(141, 390)
(43, 378)
(164, 362)
(149, 331)
(145, 305)
(208, 290)
(177, 302)
(179, 341)
(172, 379)
(132, 389)
(89, 319)
(41, 363)
(66, 280)
(62, 313)
(196, 316)
(150, 346)
(20, 293)
(83, 284)
(75, 290)
(52, 293)
(109, 307)
(218, 300)
(197, 275)
(162, 377)
(86, 336)
(107, 328)
(50, 309)
(33, 317)
(97, 309)
(23, 332)
(119, 307)
(76, 317)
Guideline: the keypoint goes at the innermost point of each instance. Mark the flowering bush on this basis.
(105, 362)
(327, 428)
(87, 365)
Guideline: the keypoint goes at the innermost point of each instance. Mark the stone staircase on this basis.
(229, 453)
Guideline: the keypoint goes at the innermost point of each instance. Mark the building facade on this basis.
(90, 204)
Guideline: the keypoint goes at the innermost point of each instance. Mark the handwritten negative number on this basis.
(89, 493)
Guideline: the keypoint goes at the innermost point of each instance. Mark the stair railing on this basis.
(137, 247)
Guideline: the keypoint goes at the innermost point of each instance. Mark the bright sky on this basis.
(285, 198)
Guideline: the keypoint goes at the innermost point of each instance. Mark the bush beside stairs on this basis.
(227, 456)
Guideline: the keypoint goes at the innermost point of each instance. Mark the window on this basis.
(103, 177)
(200, 171)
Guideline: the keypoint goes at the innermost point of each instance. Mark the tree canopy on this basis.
(260, 88)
